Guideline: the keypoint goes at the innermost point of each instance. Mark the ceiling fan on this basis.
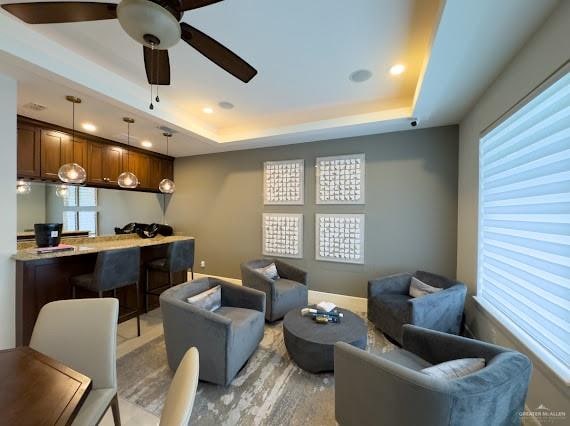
(153, 23)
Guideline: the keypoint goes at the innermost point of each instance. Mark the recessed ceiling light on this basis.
(207, 110)
(226, 105)
(89, 127)
(360, 76)
(397, 69)
(146, 144)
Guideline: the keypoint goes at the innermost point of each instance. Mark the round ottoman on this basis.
(311, 345)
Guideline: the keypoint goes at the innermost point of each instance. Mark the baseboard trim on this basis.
(357, 304)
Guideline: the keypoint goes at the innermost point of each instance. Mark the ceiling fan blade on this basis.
(157, 65)
(195, 4)
(217, 53)
(61, 11)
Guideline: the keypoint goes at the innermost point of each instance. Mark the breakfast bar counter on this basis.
(43, 278)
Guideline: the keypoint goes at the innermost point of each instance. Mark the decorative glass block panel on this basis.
(283, 235)
(340, 179)
(340, 238)
(283, 182)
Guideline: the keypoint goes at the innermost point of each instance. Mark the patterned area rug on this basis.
(269, 390)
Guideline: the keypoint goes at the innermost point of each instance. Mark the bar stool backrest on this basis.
(117, 268)
(180, 256)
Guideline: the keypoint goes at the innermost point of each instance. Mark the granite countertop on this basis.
(27, 250)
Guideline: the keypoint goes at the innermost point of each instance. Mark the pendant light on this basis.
(166, 186)
(23, 187)
(61, 191)
(128, 179)
(72, 172)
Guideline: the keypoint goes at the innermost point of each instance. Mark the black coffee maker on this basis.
(48, 234)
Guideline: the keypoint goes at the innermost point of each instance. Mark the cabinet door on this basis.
(167, 169)
(138, 164)
(28, 151)
(155, 172)
(112, 164)
(95, 163)
(56, 148)
(79, 152)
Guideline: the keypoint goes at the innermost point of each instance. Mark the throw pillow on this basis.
(270, 271)
(419, 288)
(455, 369)
(210, 299)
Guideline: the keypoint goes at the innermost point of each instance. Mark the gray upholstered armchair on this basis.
(390, 388)
(390, 306)
(225, 338)
(286, 293)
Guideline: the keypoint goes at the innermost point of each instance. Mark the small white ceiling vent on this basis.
(35, 106)
(166, 129)
(123, 137)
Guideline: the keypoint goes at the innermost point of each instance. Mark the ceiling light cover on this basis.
(23, 187)
(208, 110)
(166, 186)
(360, 76)
(89, 127)
(226, 105)
(128, 180)
(397, 69)
(146, 144)
(72, 173)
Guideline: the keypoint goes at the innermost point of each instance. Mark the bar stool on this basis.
(113, 269)
(179, 257)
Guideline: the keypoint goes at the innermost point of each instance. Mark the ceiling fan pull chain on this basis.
(151, 106)
(157, 79)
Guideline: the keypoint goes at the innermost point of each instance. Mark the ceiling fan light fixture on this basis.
(148, 23)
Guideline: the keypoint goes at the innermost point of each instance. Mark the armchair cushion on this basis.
(419, 288)
(270, 271)
(456, 368)
(210, 299)
(406, 359)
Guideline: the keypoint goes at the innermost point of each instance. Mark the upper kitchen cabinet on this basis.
(43, 148)
(59, 148)
(28, 151)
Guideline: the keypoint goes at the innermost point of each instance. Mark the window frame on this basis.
(556, 366)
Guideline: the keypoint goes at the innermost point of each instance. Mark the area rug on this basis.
(269, 390)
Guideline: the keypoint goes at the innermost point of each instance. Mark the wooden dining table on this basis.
(38, 390)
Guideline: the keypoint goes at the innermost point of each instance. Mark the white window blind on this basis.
(524, 221)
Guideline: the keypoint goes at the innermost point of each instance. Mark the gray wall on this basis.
(32, 207)
(545, 52)
(411, 210)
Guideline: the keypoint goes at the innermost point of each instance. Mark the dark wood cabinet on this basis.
(28, 151)
(43, 148)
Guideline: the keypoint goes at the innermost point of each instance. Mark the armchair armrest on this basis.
(252, 278)
(291, 272)
(242, 297)
(368, 386)
(442, 311)
(392, 284)
(186, 326)
(437, 347)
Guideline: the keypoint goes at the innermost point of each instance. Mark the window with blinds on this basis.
(80, 210)
(524, 221)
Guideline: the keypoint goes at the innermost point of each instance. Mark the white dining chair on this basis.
(82, 334)
(182, 392)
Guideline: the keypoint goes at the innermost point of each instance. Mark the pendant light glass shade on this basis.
(61, 191)
(23, 187)
(128, 180)
(72, 173)
(166, 186)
